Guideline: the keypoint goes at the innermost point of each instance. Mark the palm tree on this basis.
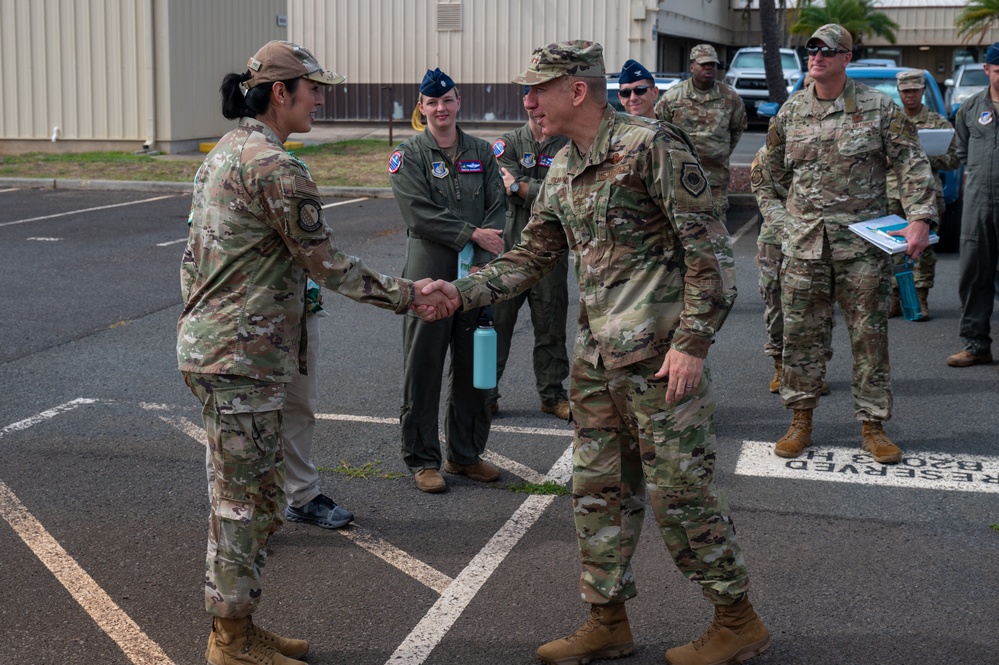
(978, 18)
(776, 85)
(857, 16)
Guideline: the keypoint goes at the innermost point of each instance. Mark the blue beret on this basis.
(436, 84)
(992, 55)
(633, 71)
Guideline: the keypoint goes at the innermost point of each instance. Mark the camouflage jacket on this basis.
(927, 119)
(443, 202)
(654, 264)
(833, 162)
(770, 197)
(257, 230)
(714, 120)
(528, 161)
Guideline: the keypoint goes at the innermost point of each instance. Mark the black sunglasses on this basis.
(638, 90)
(826, 51)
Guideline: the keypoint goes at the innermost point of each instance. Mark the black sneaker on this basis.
(321, 511)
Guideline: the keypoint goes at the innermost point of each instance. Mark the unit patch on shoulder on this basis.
(499, 147)
(693, 180)
(756, 176)
(310, 215)
(395, 161)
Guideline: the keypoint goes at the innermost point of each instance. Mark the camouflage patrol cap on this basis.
(832, 35)
(703, 53)
(910, 79)
(573, 58)
(282, 61)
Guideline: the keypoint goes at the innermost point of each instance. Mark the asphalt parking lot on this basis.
(103, 499)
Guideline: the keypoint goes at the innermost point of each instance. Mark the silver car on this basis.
(968, 80)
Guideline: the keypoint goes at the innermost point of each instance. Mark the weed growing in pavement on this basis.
(995, 527)
(547, 487)
(365, 471)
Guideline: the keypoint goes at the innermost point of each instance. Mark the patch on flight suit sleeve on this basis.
(690, 186)
(395, 161)
(310, 215)
(756, 174)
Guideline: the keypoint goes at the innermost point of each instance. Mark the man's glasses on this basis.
(826, 51)
(638, 90)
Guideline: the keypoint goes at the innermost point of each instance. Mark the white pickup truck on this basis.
(747, 76)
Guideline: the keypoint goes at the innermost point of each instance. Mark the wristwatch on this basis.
(515, 187)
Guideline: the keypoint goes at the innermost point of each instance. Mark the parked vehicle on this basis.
(873, 62)
(968, 80)
(664, 81)
(883, 79)
(749, 78)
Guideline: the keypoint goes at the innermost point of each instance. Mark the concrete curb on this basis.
(188, 188)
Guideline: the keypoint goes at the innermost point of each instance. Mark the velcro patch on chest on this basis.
(470, 166)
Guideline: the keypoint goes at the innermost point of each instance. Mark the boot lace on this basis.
(708, 635)
(591, 625)
(256, 648)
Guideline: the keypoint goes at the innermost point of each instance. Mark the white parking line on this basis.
(80, 212)
(513, 466)
(428, 633)
(171, 242)
(45, 415)
(12, 189)
(745, 228)
(389, 553)
(136, 645)
(343, 203)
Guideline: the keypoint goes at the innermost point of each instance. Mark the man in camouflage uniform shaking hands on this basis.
(656, 280)
(830, 148)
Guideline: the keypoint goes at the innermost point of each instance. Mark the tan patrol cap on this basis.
(832, 35)
(283, 61)
(703, 53)
(910, 79)
(573, 58)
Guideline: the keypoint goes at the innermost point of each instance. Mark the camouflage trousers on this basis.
(628, 442)
(810, 288)
(242, 418)
(769, 258)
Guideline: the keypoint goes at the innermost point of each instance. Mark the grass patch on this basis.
(357, 163)
(995, 527)
(547, 487)
(365, 471)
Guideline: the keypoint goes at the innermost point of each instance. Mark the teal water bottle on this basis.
(484, 351)
(911, 311)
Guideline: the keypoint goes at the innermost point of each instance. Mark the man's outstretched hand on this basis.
(435, 299)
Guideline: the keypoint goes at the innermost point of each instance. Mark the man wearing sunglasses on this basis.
(830, 148)
(711, 113)
(638, 91)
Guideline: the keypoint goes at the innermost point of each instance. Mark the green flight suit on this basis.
(528, 161)
(443, 202)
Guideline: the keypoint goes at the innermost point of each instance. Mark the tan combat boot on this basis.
(606, 634)
(778, 370)
(735, 635)
(559, 409)
(923, 294)
(239, 642)
(798, 437)
(877, 443)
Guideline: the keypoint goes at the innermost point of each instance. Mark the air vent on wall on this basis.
(448, 16)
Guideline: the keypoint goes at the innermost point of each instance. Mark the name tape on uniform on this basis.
(918, 469)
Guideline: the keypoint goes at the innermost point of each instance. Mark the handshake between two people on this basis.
(435, 299)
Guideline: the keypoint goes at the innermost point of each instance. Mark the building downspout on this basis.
(150, 144)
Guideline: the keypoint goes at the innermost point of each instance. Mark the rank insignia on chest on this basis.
(692, 179)
(439, 170)
(529, 159)
(985, 118)
(546, 161)
(469, 166)
(395, 161)
(499, 147)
